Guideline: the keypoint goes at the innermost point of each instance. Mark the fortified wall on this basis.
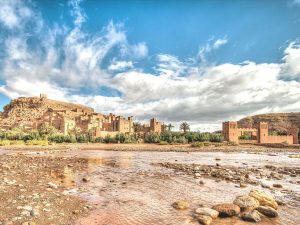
(259, 134)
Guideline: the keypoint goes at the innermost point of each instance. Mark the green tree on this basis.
(76, 131)
(184, 127)
(46, 129)
(169, 127)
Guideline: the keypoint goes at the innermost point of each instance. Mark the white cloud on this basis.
(120, 65)
(14, 13)
(67, 59)
(291, 67)
(219, 42)
(139, 50)
(209, 47)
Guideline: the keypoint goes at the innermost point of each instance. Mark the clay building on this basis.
(32, 112)
(258, 134)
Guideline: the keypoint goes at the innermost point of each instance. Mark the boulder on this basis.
(251, 216)
(267, 211)
(181, 204)
(205, 220)
(264, 198)
(207, 212)
(246, 201)
(227, 209)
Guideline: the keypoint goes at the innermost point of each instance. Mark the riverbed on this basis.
(130, 188)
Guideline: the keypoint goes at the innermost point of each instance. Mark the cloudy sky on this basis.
(197, 61)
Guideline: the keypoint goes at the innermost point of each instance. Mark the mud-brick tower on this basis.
(230, 131)
(263, 132)
(294, 132)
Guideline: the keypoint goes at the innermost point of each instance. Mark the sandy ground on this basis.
(164, 148)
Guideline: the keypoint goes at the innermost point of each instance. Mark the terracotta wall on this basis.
(280, 139)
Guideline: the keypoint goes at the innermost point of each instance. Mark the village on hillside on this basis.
(26, 117)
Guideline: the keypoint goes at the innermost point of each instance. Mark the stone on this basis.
(277, 185)
(29, 223)
(267, 211)
(251, 216)
(52, 185)
(205, 220)
(227, 209)
(264, 198)
(207, 212)
(34, 212)
(85, 179)
(246, 201)
(181, 204)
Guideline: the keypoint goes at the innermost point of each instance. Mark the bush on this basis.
(207, 143)
(163, 143)
(37, 142)
(232, 143)
(152, 138)
(4, 142)
(17, 142)
(197, 144)
(216, 137)
(218, 144)
(32, 135)
(109, 139)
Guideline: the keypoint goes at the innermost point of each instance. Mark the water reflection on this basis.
(129, 190)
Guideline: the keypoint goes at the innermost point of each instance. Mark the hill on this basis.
(28, 109)
(276, 121)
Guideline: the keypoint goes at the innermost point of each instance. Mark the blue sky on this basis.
(196, 61)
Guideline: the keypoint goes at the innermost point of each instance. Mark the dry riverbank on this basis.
(163, 148)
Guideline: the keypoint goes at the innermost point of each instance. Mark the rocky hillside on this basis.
(277, 121)
(26, 109)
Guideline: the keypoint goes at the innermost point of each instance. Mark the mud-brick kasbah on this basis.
(259, 134)
(32, 112)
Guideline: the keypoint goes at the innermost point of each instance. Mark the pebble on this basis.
(227, 209)
(181, 204)
(267, 211)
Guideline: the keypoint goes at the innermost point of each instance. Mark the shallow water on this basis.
(128, 189)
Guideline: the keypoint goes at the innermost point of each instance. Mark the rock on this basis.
(52, 185)
(205, 220)
(29, 223)
(267, 211)
(243, 185)
(227, 209)
(246, 201)
(181, 204)
(201, 182)
(277, 185)
(264, 198)
(85, 179)
(34, 212)
(207, 212)
(251, 216)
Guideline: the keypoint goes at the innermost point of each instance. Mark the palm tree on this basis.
(185, 127)
(76, 131)
(170, 126)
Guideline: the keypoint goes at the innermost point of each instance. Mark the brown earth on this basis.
(272, 148)
(276, 121)
(29, 192)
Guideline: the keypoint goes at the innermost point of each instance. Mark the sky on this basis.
(202, 61)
